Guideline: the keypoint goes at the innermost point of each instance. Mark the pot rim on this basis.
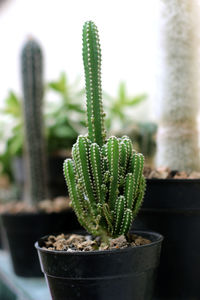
(103, 252)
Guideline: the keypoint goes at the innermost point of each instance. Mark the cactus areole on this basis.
(105, 176)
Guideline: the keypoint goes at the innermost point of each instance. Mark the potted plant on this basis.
(24, 222)
(172, 205)
(106, 186)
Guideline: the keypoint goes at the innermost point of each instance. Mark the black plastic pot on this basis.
(22, 230)
(57, 184)
(126, 274)
(172, 207)
(1, 243)
(3, 238)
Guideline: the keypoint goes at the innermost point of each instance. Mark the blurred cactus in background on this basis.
(105, 177)
(33, 88)
(179, 91)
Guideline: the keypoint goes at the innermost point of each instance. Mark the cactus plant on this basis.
(105, 176)
(178, 83)
(32, 72)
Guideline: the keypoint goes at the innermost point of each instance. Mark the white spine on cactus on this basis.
(178, 89)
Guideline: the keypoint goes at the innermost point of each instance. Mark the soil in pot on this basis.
(23, 225)
(122, 271)
(77, 242)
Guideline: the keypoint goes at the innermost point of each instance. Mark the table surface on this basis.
(23, 288)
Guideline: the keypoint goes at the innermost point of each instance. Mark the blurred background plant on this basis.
(119, 121)
(63, 121)
(65, 117)
(117, 108)
(11, 137)
(12, 134)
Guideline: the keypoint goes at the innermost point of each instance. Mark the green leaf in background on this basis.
(116, 107)
(136, 100)
(13, 105)
(59, 85)
(16, 141)
(76, 107)
(122, 92)
(65, 120)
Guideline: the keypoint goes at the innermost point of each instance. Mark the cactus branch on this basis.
(92, 65)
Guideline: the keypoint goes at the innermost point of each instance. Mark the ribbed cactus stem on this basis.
(178, 85)
(92, 66)
(32, 79)
(104, 179)
(113, 155)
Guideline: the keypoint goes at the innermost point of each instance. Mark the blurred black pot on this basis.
(172, 207)
(22, 230)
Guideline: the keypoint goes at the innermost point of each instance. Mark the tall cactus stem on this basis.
(33, 86)
(92, 66)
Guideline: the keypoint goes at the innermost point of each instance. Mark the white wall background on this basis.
(128, 32)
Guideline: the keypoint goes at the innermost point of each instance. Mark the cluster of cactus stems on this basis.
(105, 176)
(32, 79)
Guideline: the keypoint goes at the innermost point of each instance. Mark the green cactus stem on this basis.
(32, 79)
(92, 65)
(104, 177)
